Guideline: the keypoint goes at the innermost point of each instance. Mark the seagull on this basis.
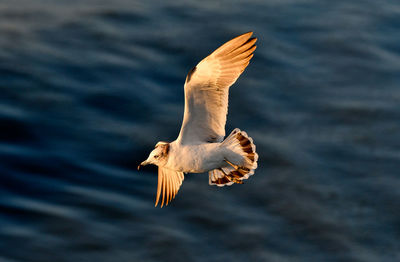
(200, 146)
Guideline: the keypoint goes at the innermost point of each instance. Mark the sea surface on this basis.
(88, 87)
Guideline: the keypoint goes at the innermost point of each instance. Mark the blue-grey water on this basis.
(88, 87)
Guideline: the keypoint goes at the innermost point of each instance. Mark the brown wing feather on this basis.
(169, 182)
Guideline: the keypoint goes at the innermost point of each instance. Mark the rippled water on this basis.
(88, 87)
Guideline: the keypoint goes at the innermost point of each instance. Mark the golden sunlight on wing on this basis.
(169, 182)
(207, 90)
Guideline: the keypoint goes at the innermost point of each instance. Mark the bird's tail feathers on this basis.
(241, 160)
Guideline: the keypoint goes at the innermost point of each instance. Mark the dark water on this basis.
(88, 87)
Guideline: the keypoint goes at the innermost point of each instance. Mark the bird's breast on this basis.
(195, 158)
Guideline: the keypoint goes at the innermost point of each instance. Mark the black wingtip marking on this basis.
(191, 72)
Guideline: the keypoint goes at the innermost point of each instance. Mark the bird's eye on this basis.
(156, 156)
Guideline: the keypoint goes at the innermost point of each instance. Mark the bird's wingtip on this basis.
(249, 33)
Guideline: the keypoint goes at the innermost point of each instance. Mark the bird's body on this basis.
(195, 158)
(200, 146)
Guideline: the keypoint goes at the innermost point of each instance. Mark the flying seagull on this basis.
(200, 146)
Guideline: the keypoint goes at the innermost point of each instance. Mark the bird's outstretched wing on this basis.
(169, 182)
(207, 89)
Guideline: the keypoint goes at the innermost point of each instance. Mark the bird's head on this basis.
(158, 156)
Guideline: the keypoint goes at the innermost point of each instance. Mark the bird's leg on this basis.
(236, 167)
(232, 178)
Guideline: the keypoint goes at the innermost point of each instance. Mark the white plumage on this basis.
(200, 147)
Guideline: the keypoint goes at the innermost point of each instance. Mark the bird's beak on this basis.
(142, 164)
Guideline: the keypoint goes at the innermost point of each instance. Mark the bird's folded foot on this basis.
(236, 167)
(234, 179)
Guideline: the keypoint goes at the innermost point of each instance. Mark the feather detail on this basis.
(207, 90)
(243, 164)
(169, 182)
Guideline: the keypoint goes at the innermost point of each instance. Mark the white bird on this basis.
(200, 146)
